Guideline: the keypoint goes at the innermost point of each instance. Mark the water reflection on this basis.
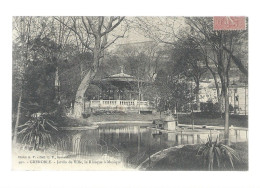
(133, 143)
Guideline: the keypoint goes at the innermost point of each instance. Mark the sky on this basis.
(157, 26)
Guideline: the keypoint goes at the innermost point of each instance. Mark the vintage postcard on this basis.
(130, 93)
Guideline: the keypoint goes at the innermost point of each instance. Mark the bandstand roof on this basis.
(121, 77)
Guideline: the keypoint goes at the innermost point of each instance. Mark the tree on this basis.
(189, 62)
(160, 29)
(222, 47)
(71, 72)
(93, 34)
(174, 91)
(222, 44)
(40, 75)
(36, 55)
(143, 60)
(23, 30)
(145, 56)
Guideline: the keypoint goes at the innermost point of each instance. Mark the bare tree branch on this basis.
(86, 27)
(112, 27)
(74, 29)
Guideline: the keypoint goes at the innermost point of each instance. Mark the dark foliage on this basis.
(37, 131)
(172, 92)
(216, 155)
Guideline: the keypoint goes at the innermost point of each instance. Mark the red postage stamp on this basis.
(229, 23)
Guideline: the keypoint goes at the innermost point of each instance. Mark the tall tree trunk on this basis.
(17, 120)
(197, 94)
(221, 104)
(219, 94)
(223, 74)
(226, 126)
(79, 100)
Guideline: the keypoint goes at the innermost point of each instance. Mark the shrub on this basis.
(85, 115)
(216, 155)
(37, 131)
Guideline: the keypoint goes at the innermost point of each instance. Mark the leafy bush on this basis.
(85, 115)
(211, 115)
(37, 131)
(216, 155)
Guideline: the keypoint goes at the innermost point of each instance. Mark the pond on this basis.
(132, 144)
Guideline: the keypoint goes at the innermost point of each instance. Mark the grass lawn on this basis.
(185, 159)
(237, 121)
(124, 117)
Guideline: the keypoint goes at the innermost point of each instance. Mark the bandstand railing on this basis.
(118, 103)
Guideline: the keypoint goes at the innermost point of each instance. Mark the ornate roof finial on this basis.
(122, 68)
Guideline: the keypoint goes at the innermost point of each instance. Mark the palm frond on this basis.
(35, 133)
(51, 125)
(217, 152)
